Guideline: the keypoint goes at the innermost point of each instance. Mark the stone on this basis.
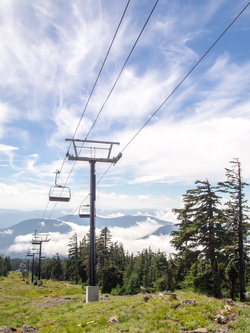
(228, 301)
(5, 329)
(221, 319)
(146, 298)
(189, 301)
(176, 306)
(114, 320)
(172, 296)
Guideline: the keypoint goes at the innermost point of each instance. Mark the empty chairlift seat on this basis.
(59, 192)
(84, 211)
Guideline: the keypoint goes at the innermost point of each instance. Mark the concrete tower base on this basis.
(92, 294)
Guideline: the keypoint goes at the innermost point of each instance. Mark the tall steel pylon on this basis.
(38, 240)
(32, 254)
(94, 148)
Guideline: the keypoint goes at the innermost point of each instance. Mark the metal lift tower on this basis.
(103, 150)
(32, 254)
(38, 240)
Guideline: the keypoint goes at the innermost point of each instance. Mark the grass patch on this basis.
(60, 307)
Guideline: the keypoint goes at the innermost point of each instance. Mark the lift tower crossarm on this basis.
(87, 143)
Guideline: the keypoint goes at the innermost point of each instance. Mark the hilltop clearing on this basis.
(60, 307)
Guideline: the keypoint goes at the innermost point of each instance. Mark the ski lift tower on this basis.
(103, 150)
(32, 254)
(38, 240)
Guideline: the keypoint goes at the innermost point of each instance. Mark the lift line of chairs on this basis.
(62, 193)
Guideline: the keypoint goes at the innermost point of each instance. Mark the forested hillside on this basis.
(212, 250)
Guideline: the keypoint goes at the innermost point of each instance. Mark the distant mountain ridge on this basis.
(10, 217)
(124, 221)
(63, 225)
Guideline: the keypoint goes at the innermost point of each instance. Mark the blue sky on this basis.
(51, 53)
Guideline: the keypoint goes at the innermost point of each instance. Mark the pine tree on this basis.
(1, 266)
(159, 271)
(73, 259)
(237, 219)
(110, 258)
(47, 269)
(5, 265)
(84, 259)
(57, 270)
(201, 230)
(102, 247)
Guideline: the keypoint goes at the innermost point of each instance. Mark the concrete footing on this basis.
(92, 294)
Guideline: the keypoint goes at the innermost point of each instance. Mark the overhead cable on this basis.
(179, 84)
(174, 90)
(185, 77)
(84, 110)
(98, 76)
(118, 77)
(115, 83)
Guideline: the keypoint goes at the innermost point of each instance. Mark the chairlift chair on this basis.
(59, 192)
(83, 213)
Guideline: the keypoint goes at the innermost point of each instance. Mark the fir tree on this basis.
(237, 221)
(84, 259)
(73, 259)
(57, 270)
(201, 230)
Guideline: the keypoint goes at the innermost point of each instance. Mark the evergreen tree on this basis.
(47, 269)
(1, 266)
(160, 273)
(102, 247)
(110, 277)
(73, 259)
(201, 230)
(57, 269)
(110, 259)
(5, 265)
(117, 255)
(84, 259)
(237, 222)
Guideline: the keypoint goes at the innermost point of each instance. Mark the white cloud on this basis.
(24, 238)
(50, 64)
(141, 229)
(21, 243)
(31, 161)
(62, 117)
(23, 196)
(9, 152)
(136, 202)
(112, 215)
(129, 237)
(6, 149)
(155, 243)
(6, 232)
(187, 150)
(6, 190)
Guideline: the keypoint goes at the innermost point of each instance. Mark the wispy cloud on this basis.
(51, 54)
(6, 232)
